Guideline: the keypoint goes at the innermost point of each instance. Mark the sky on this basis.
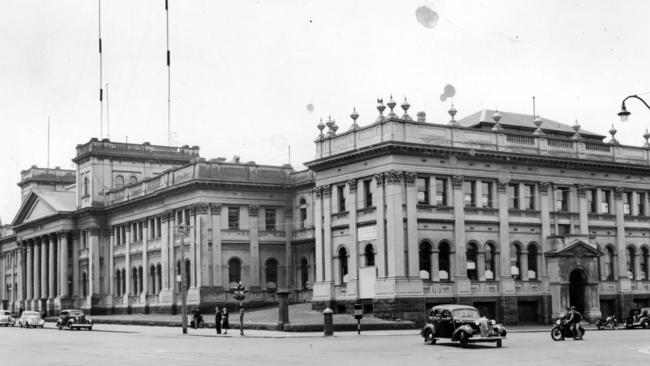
(243, 73)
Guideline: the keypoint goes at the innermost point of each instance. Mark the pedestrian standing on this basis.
(225, 323)
(20, 310)
(217, 319)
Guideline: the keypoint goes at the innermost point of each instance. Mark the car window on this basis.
(31, 313)
(466, 313)
(446, 314)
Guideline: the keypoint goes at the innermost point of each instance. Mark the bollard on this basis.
(328, 320)
(283, 306)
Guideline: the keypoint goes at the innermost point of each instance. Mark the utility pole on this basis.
(183, 231)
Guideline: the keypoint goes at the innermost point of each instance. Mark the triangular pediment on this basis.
(33, 208)
(576, 248)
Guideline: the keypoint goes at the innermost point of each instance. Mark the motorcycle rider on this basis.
(573, 320)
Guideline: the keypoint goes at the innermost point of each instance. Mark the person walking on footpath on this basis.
(225, 323)
(217, 319)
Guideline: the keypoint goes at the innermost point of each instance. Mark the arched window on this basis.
(134, 281)
(85, 186)
(645, 258)
(152, 279)
(444, 261)
(369, 253)
(271, 272)
(234, 271)
(490, 268)
(118, 283)
(303, 213)
(424, 255)
(119, 181)
(84, 284)
(140, 280)
(343, 264)
(159, 276)
(304, 273)
(471, 254)
(515, 261)
(630, 257)
(532, 262)
(133, 179)
(188, 274)
(609, 263)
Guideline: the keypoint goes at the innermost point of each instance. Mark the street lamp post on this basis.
(239, 295)
(624, 114)
(183, 231)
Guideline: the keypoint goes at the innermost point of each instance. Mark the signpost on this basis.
(182, 231)
(358, 315)
(239, 292)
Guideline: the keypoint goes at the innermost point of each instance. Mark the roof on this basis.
(453, 306)
(519, 120)
(41, 203)
(61, 201)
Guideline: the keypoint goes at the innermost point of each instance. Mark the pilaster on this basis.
(254, 247)
(353, 262)
(217, 259)
(63, 267)
(379, 199)
(508, 284)
(395, 225)
(412, 224)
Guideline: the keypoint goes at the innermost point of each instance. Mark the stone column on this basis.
(63, 266)
(583, 210)
(637, 265)
(217, 256)
(29, 270)
(93, 263)
(353, 262)
(44, 280)
(254, 247)
(459, 228)
(545, 217)
(327, 229)
(166, 256)
(507, 283)
(395, 225)
(145, 261)
(523, 259)
(127, 262)
(620, 233)
(288, 254)
(480, 265)
(318, 234)
(379, 200)
(37, 269)
(412, 224)
(111, 262)
(75, 263)
(50, 267)
(435, 269)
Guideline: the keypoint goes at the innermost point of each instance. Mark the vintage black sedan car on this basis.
(74, 319)
(461, 323)
(638, 318)
(31, 319)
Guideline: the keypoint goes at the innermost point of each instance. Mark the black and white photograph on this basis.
(360, 182)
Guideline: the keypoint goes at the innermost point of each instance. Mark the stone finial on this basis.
(330, 124)
(354, 117)
(320, 127)
(452, 112)
(334, 127)
(496, 116)
(380, 107)
(646, 136)
(576, 128)
(538, 122)
(421, 116)
(405, 108)
(391, 104)
(612, 131)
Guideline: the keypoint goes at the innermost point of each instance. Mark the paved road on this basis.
(133, 345)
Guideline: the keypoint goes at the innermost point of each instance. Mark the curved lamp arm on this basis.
(624, 114)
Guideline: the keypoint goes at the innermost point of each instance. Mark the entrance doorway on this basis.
(577, 283)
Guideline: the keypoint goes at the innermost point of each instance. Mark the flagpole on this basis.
(169, 123)
(101, 91)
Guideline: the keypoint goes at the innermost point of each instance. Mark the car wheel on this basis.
(499, 344)
(428, 337)
(60, 327)
(90, 328)
(463, 339)
(645, 324)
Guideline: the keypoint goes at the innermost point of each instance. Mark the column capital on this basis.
(318, 191)
(201, 208)
(215, 208)
(618, 193)
(253, 210)
(327, 191)
(502, 187)
(543, 187)
(582, 190)
(410, 177)
(63, 233)
(167, 216)
(393, 177)
(457, 181)
(352, 184)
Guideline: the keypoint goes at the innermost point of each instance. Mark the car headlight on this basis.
(493, 322)
(477, 322)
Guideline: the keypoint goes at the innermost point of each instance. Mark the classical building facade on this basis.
(519, 216)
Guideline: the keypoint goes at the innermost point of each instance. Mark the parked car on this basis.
(31, 319)
(461, 323)
(74, 319)
(638, 318)
(6, 319)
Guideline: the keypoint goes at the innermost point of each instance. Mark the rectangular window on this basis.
(469, 187)
(591, 200)
(640, 203)
(562, 199)
(140, 230)
(441, 192)
(564, 229)
(513, 196)
(233, 218)
(529, 196)
(340, 192)
(486, 194)
(123, 234)
(604, 203)
(117, 235)
(423, 190)
(627, 202)
(158, 227)
(269, 219)
(187, 217)
(367, 193)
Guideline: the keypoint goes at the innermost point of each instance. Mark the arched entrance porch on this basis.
(577, 289)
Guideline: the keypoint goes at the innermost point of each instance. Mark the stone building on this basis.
(517, 215)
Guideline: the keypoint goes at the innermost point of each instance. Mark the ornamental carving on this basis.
(380, 179)
(543, 187)
(352, 184)
(318, 191)
(582, 190)
(409, 177)
(215, 209)
(201, 208)
(327, 191)
(393, 177)
(145, 224)
(502, 187)
(93, 231)
(253, 210)
(457, 181)
(618, 193)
